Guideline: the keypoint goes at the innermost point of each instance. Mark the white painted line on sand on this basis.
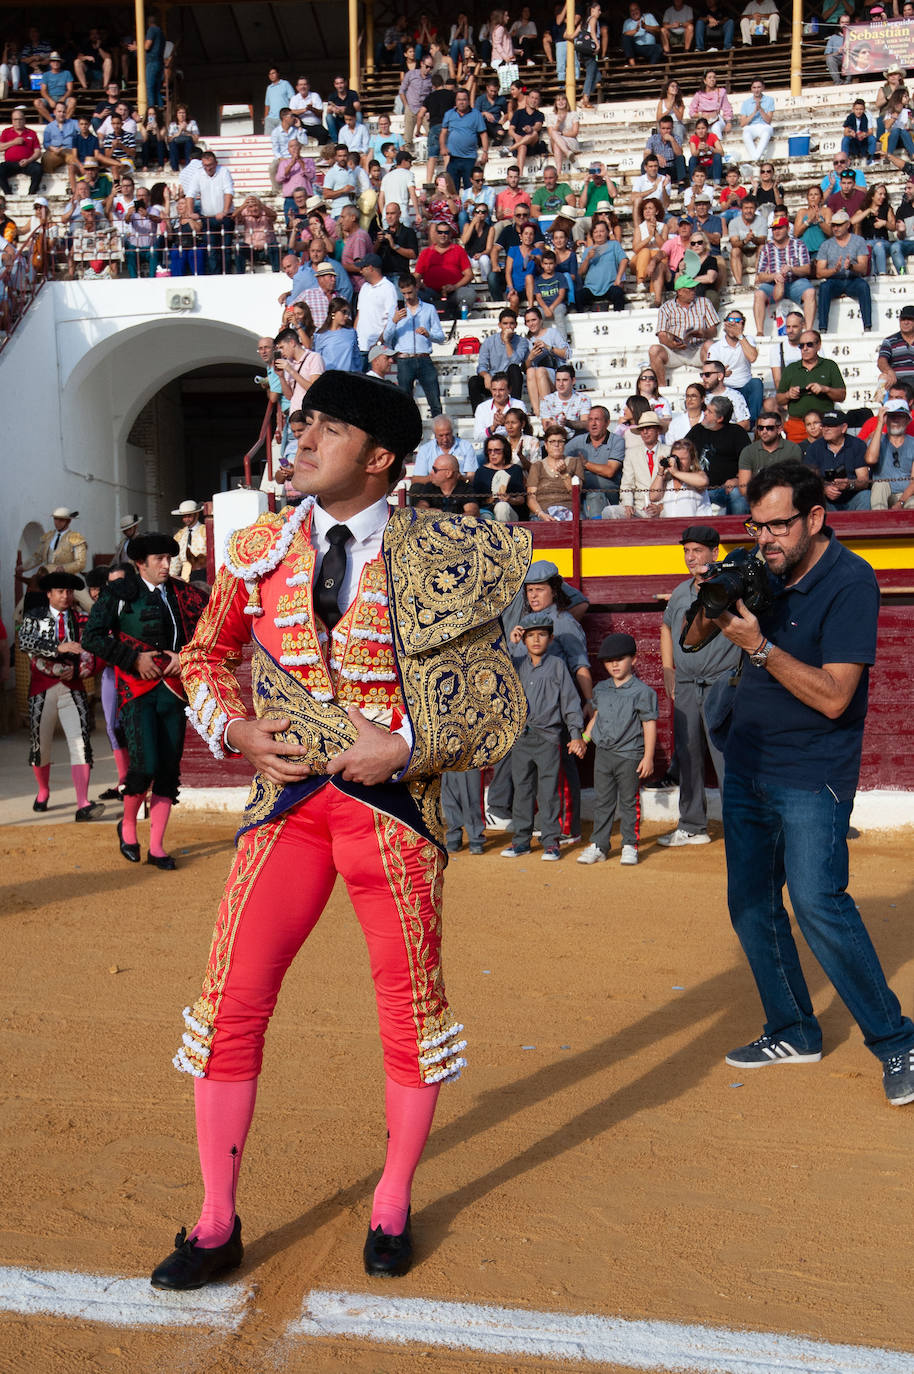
(118, 1301)
(596, 1340)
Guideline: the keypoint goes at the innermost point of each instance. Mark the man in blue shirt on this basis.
(603, 269)
(466, 140)
(306, 274)
(414, 327)
(56, 84)
(59, 139)
(840, 459)
(890, 458)
(792, 763)
(278, 96)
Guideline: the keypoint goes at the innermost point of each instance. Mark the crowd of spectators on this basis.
(381, 262)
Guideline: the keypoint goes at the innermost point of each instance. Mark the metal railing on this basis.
(24, 269)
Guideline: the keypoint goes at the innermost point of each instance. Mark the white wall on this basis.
(84, 362)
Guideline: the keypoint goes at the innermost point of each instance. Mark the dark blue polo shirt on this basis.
(830, 616)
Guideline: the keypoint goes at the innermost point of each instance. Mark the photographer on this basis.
(687, 678)
(841, 460)
(792, 756)
(680, 485)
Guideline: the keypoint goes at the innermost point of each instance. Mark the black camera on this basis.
(741, 576)
(664, 462)
(832, 474)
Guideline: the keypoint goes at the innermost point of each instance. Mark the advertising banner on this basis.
(870, 48)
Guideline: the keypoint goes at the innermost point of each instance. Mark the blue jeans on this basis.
(753, 393)
(591, 76)
(897, 136)
(795, 291)
(880, 250)
(420, 369)
(721, 37)
(855, 287)
(854, 147)
(717, 166)
(777, 834)
(561, 59)
(187, 262)
(650, 52)
(137, 258)
(733, 502)
(459, 170)
(154, 73)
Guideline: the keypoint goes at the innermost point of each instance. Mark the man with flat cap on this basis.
(60, 549)
(190, 560)
(687, 679)
(138, 624)
(50, 636)
(378, 663)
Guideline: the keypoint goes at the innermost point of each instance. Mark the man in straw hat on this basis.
(128, 526)
(357, 617)
(50, 636)
(60, 549)
(139, 624)
(190, 561)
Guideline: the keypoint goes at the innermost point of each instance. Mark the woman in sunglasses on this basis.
(707, 278)
(647, 387)
(683, 420)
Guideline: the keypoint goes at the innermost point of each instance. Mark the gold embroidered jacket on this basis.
(448, 579)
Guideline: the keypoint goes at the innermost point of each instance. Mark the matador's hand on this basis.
(375, 756)
(255, 740)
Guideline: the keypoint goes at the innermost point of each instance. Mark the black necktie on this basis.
(330, 576)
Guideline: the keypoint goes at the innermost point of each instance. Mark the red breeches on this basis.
(280, 882)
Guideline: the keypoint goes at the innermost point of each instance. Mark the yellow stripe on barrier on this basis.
(665, 560)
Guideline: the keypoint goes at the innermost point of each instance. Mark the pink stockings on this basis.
(79, 772)
(159, 812)
(131, 811)
(80, 775)
(409, 1120)
(43, 778)
(224, 1111)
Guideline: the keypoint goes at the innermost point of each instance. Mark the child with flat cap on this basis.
(552, 700)
(624, 731)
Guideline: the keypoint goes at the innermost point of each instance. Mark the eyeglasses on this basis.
(734, 319)
(760, 427)
(698, 243)
(776, 527)
(808, 343)
(711, 373)
(648, 377)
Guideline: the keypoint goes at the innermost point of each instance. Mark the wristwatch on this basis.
(760, 657)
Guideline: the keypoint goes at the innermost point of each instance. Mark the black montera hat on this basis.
(61, 581)
(387, 415)
(145, 545)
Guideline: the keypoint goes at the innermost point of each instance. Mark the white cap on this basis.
(64, 513)
(187, 508)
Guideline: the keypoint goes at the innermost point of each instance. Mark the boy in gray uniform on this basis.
(552, 701)
(461, 802)
(687, 679)
(624, 730)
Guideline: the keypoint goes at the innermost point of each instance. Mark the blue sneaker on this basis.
(515, 851)
(768, 1050)
(898, 1078)
(551, 853)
